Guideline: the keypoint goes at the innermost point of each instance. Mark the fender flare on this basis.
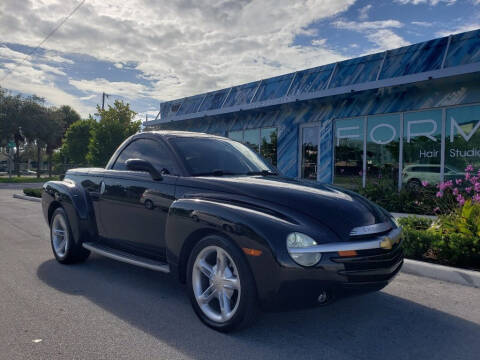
(190, 219)
(76, 203)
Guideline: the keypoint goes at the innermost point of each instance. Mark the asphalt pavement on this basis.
(103, 309)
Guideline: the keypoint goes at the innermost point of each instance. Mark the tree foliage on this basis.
(115, 125)
(76, 141)
(38, 129)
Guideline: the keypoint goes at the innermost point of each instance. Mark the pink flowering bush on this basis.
(451, 194)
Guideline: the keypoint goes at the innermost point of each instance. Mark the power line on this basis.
(50, 34)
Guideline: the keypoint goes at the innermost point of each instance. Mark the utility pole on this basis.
(103, 99)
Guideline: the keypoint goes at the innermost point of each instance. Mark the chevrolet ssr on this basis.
(216, 215)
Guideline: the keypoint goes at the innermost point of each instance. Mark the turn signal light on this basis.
(347, 253)
(252, 252)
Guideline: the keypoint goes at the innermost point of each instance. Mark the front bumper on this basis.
(375, 263)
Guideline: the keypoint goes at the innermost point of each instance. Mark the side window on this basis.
(150, 150)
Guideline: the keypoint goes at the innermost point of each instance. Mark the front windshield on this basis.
(214, 156)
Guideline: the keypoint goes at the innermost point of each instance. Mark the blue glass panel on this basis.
(165, 109)
(464, 49)
(214, 100)
(273, 88)
(241, 94)
(357, 70)
(169, 108)
(414, 59)
(190, 105)
(310, 80)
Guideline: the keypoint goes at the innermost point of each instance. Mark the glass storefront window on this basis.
(309, 152)
(462, 140)
(268, 144)
(236, 135)
(348, 162)
(251, 139)
(383, 149)
(263, 141)
(421, 147)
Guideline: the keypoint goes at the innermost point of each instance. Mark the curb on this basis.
(441, 272)
(403, 215)
(25, 197)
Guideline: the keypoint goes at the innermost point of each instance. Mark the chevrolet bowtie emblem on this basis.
(387, 243)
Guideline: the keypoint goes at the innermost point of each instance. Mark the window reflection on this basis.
(349, 152)
(268, 144)
(383, 146)
(462, 140)
(309, 152)
(251, 139)
(421, 147)
(236, 135)
(262, 141)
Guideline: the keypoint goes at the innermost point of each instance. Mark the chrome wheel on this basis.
(59, 234)
(216, 284)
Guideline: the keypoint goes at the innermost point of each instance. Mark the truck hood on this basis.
(338, 209)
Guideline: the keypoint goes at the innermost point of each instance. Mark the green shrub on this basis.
(415, 222)
(450, 240)
(412, 201)
(417, 244)
(35, 192)
(457, 250)
(458, 236)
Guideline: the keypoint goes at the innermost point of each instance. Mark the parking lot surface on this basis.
(103, 309)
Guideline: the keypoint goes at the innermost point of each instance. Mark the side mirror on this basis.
(143, 165)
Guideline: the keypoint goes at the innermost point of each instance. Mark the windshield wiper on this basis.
(263, 173)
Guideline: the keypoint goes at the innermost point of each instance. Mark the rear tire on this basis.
(65, 249)
(220, 285)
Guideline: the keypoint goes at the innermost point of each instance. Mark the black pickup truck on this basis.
(218, 217)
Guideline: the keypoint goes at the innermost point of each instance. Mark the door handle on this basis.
(102, 187)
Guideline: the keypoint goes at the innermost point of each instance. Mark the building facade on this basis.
(405, 115)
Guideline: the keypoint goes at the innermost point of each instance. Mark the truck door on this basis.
(133, 207)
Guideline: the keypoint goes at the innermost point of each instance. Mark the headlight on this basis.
(297, 241)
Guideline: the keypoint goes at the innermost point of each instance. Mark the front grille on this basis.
(372, 265)
(370, 230)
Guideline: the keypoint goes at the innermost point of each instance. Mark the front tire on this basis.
(221, 286)
(64, 247)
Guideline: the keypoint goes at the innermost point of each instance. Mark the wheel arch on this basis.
(54, 205)
(190, 243)
(73, 199)
(190, 220)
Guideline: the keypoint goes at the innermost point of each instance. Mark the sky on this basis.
(149, 51)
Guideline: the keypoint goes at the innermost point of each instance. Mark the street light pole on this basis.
(103, 99)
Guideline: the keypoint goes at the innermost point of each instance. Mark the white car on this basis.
(414, 175)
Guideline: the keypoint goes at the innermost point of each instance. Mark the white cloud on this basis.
(51, 56)
(422, 23)
(319, 42)
(386, 39)
(363, 12)
(38, 79)
(379, 32)
(458, 29)
(367, 25)
(34, 76)
(184, 47)
(89, 97)
(120, 88)
(430, 2)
